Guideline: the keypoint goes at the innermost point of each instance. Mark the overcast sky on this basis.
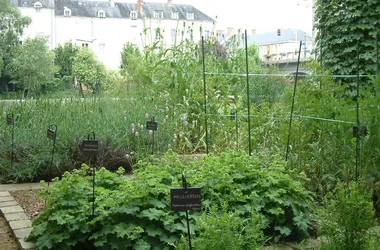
(262, 15)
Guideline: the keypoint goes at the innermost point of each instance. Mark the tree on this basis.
(343, 25)
(32, 66)
(64, 56)
(11, 28)
(88, 71)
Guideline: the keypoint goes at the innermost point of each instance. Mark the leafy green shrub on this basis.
(346, 218)
(134, 213)
(226, 230)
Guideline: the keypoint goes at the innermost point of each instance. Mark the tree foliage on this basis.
(88, 70)
(64, 55)
(11, 28)
(32, 66)
(343, 26)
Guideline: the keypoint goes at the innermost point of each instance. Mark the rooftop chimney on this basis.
(170, 3)
(112, 3)
(253, 31)
(139, 6)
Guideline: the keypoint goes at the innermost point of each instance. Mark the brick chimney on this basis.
(170, 3)
(139, 6)
(253, 31)
(112, 3)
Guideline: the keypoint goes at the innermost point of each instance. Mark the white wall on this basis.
(107, 36)
(42, 24)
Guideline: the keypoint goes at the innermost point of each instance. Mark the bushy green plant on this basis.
(226, 230)
(346, 218)
(134, 212)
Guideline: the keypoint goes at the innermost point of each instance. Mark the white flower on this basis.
(150, 131)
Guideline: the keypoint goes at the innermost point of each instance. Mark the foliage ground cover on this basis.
(134, 213)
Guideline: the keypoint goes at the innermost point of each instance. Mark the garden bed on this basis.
(29, 201)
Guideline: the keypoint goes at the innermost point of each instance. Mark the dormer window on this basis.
(190, 16)
(175, 15)
(133, 15)
(66, 12)
(158, 14)
(38, 6)
(101, 14)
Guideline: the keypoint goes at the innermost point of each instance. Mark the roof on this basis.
(272, 37)
(30, 3)
(89, 8)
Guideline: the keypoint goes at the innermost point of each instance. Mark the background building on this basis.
(282, 45)
(105, 26)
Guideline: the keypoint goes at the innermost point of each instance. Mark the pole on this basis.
(53, 130)
(184, 184)
(293, 98)
(248, 99)
(377, 53)
(204, 91)
(357, 162)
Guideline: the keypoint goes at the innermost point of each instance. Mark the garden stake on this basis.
(248, 101)
(357, 162)
(11, 121)
(52, 134)
(152, 125)
(377, 53)
(184, 184)
(93, 177)
(293, 97)
(204, 91)
(90, 148)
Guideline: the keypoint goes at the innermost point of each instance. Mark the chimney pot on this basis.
(139, 6)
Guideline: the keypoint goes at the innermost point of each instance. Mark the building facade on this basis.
(105, 26)
(282, 45)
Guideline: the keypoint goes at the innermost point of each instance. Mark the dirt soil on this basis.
(29, 201)
(7, 240)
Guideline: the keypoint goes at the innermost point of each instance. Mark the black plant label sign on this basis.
(183, 199)
(10, 120)
(151, 125)
(51, 134)
(361, 131)
(90, 147)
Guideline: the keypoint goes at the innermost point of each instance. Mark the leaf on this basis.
(142, 245)
(284, 231)
(153, 231)
(151, 214)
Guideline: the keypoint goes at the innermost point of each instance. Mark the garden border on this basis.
(17, 220)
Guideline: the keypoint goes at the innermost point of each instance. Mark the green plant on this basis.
(346, 218)
(226, 230)
(134, 213)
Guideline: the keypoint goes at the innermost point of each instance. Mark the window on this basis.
(158, 14)
(158, 34)
(102, 47)
(101, 14)
(133, 15)
(38, 6)
(175, 15)
(66, 12)
(173, 34)
(190, 16)
(84, 44)
(207, 34)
